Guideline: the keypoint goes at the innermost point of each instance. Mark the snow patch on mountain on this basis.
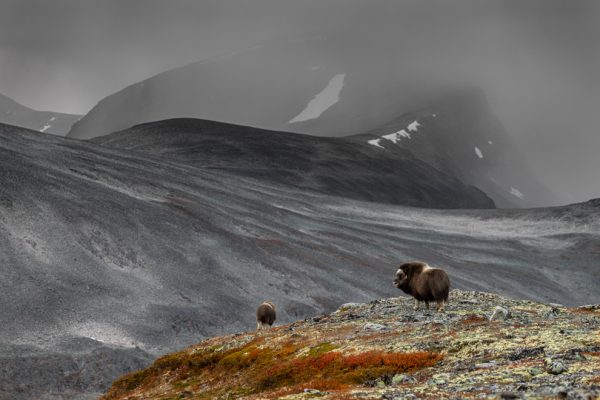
(396, 136)
(52, 119)
(375, 142)
(478, 152)
(393, 137)
(412, 127)
(516, 192)
(45, 128)
(490, 142)
(403, 133)
(322, 101)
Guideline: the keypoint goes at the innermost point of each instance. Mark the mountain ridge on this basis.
(13, 113)
(336, 166)
(267, 86)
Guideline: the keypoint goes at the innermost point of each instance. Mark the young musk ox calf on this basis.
(265, 315)
(424, 283)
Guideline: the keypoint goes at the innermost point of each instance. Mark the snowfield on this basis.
(478, 152)
(516, 192)
(322, 101)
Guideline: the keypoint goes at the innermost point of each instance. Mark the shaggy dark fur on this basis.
(265, 315)
(424, 283)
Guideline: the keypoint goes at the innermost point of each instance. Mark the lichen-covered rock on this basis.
(375, 327)
(500, 313)
(555, 367)
(399, 379)
(348, 306)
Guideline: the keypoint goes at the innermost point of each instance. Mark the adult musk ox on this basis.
(265, 315)
(424, 283)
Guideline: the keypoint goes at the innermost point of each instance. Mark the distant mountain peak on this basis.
(459, 133)
(13, 113)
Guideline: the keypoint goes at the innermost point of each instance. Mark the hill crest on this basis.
(483, 346)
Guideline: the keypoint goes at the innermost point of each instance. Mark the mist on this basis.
(537, 61)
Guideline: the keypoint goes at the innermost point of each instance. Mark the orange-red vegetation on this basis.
(336, 368)
(473, 319)
(585, 310)
(256, 367)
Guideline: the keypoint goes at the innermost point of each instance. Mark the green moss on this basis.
(321, 348)
(132, 380)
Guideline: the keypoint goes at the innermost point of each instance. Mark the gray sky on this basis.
(537, 60)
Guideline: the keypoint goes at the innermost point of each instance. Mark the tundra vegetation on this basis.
(384, 349)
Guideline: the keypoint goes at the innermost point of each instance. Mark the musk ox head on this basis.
(401, 279)
(405, 273)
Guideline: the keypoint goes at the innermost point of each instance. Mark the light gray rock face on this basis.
(113, 255)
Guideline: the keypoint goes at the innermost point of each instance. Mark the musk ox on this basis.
(265, 315)
(424, 283)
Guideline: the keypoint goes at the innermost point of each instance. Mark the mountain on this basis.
(111, 257)
(459, 134)
(385, 350)
(319, 87)
(315, 85)
(336, 166)
(13, 113)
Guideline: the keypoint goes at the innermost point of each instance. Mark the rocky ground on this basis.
(483, 346)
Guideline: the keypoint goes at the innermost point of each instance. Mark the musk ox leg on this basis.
(427, 305)
(258, 325)
(416, 306)
(440, 305)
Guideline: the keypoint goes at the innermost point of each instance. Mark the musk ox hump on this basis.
(432, 284)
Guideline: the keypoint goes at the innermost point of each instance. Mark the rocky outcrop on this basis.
(385, 350)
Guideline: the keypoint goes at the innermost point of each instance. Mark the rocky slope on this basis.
(109, 257)
(336, 166)
(482, 346)
(13, 113)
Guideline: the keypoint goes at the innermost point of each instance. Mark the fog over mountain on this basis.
(537, 61)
